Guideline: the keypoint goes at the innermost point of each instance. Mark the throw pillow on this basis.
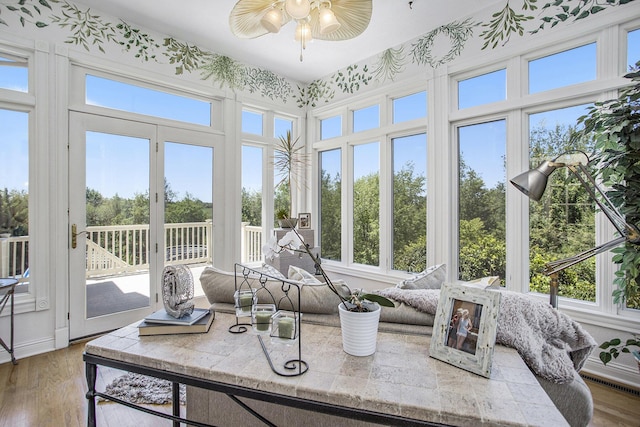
(431, 278)
(272, 271)
(489, 282)
(302, 275)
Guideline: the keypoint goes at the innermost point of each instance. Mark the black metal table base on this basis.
(234, 392)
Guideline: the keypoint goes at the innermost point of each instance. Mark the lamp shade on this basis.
(297, 9)
(328, 21)
(533, 182)
(272, 20)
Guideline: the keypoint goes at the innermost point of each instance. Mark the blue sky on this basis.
(188, 168)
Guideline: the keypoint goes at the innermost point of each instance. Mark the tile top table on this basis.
(400, 381)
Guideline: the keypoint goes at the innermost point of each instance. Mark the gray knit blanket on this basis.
(550, 342)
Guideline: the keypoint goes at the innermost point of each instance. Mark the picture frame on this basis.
(304, 220)
(472, 351)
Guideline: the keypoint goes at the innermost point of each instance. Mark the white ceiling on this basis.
(206, 24)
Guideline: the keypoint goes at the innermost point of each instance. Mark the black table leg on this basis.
(91, 371)
(175, 388)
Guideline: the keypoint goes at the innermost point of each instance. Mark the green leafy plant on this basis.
(615, 124)
(504, 23)
(581, 10)
(615, 348)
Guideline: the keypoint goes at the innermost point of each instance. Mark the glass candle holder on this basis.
(244, 301)
(261, 318)
(286, 327)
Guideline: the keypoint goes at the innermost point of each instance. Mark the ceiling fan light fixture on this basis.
(328, 21)
(272, 20)
(297, 9)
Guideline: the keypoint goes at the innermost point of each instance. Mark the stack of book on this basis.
(162, 323)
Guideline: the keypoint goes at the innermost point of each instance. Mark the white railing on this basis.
(251, 243)
(118, 249)
(14, 257)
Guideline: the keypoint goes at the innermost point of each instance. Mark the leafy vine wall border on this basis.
(92, 32)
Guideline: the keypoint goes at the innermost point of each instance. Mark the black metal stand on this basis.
(244, 278)
(11, 285)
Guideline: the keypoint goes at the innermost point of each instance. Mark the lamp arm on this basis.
(561, 264)
(625, 229)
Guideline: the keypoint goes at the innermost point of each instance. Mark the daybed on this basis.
(572, 398)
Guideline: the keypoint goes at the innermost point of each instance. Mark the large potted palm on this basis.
(290, 162)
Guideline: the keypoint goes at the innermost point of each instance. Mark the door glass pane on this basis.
(251, 204)
(14, 196)
(366, 204)
(188, 207)
(330, 204)
(562, 223)
(410, 203)
(117, 233)
(481, 202)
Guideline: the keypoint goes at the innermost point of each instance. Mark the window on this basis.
(481, 202)
(366, 118)
(14, 195)
(282, 126)
(490, 87)
(633, 48)
(251, 122)
(563, 69)
(562, 223)
(366, 204)
(410, 203)
(14, 74)
(330, 204)
(331, 127)
(136, 99)
(251, 242)
(410, 107)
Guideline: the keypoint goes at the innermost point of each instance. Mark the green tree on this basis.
(330, 216)
(409, 220)
(366, 220)
(252, 207)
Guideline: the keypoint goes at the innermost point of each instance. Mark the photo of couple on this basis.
(463, 326)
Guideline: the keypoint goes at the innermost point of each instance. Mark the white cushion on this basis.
(431, 278)
(302, 275)
(272, 271)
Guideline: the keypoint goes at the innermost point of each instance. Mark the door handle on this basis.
(74, 235)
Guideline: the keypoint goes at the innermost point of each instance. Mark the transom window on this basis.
(14, 74)
(484, 89)
(410, 107)
(566, 68)
(136, 99)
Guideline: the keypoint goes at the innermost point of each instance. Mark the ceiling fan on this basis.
(315, 19)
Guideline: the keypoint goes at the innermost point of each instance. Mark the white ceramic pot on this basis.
(359, 331)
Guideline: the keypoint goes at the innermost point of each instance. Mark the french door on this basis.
(140, 197)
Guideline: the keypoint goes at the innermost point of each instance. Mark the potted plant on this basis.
(359, 310)
(290, 161)
(615, 125)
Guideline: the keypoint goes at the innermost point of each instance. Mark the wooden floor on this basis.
(49, 390)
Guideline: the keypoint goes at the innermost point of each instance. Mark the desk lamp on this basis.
(533, 183)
